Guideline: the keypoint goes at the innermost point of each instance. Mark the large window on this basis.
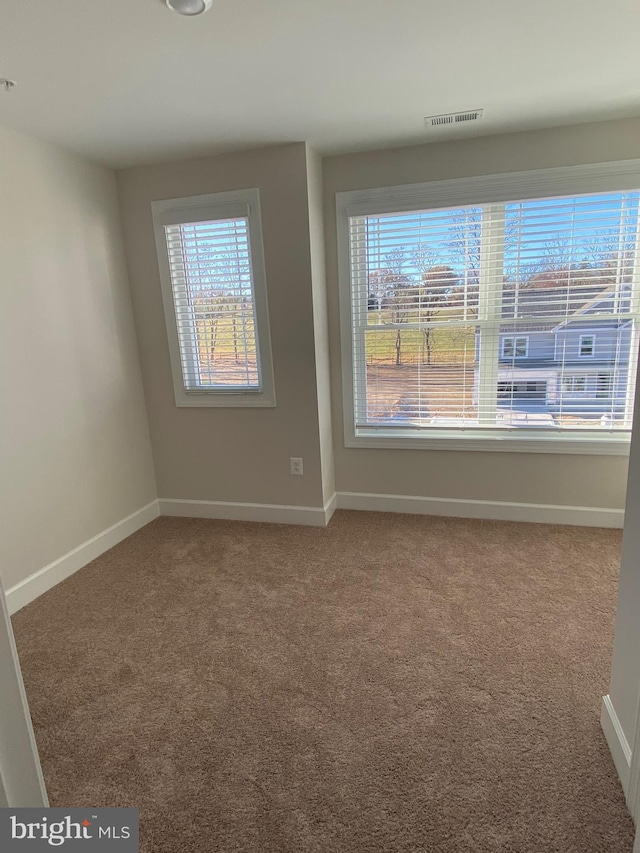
(214, 293)
(464, 323)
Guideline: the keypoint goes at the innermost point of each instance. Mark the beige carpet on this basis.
(390, 684)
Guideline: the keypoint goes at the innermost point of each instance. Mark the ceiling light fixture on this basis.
(7, 85)
(189, 7)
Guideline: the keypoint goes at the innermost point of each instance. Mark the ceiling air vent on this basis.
(453, 118)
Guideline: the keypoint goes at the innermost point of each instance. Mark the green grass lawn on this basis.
(453, 345)
(222, 339)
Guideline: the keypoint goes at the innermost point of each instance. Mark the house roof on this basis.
(575, 299)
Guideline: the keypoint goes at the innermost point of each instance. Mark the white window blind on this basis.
(214, 292)
(212, 289)
(516, 317)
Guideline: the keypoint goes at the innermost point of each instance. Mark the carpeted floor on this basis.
(389, 684)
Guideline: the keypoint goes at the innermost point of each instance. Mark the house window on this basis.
(574, 384)
(523, 390)
(515, 347)
(587, 346)
(215, 301)
(464, 302)
(604, 385)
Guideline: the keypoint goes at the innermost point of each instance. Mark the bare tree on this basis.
(559, 253)
(399, 303)
(396, 260)
(424, 258)
(379, 283)
(464, 238)
(220, 300)
(393, 284)
(431, 294)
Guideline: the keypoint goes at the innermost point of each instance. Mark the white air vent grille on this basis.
(453, 118)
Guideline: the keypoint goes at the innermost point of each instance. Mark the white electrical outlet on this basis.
(296, 466)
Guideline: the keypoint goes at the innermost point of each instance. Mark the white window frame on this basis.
(593, 346)
(571, 379)
(461, 192)
(515, 338)
(203, 208)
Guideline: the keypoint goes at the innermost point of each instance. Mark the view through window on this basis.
(213, 296)
(503, 316)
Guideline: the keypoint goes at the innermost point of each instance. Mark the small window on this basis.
(515, 347)
(587, 346)
(604, 385)
(214, 293)
(574, 384)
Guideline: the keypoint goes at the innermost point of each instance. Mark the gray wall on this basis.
(74, 443)
(237, 454)
(595, 481)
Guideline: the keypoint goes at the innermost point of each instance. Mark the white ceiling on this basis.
(128, 81)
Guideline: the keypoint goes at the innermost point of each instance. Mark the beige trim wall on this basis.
(235, 454)
(320, 319)
(624, 690)
(74, 443)
(593, 481)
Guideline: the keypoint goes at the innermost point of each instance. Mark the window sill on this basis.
(507, 442)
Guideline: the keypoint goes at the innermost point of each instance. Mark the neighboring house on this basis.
(579, 366)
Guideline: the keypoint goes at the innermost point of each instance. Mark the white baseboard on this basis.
(315, 516)
(497, 510)
(617, 742)
(44, 579)
(39, 582)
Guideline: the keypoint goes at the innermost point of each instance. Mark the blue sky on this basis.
(540, 231)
